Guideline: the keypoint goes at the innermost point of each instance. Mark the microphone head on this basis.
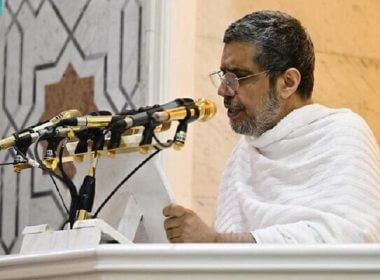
(207, 109)
(72, 113)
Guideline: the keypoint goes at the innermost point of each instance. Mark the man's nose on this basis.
(224, 90)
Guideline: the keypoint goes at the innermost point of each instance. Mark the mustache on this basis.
(230, 103)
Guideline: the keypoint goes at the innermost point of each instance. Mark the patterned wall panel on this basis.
(55, 55)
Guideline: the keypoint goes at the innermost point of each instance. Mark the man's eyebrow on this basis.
(235, 70)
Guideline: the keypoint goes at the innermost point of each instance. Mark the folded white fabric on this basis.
(313, 178)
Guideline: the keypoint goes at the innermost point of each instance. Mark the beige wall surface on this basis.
(346, 36)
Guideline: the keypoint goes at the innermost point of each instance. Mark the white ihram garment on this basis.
(313, 178)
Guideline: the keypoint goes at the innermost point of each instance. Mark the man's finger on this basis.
(174, 210)
(174, 233)
(172, 223)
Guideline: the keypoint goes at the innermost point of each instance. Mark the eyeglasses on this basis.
(229, 81)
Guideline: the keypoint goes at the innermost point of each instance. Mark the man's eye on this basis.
(240, 74)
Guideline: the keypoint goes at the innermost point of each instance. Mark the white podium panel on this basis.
(199, 261)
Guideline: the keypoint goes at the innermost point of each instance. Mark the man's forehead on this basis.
(238, 55)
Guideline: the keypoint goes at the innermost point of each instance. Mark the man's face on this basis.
(254, 107)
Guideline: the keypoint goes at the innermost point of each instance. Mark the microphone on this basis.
(179, 109)
(155, 108)
(123, 120)
(31, 134)
(203, 109)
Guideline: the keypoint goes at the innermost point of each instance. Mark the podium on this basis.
(199, 261)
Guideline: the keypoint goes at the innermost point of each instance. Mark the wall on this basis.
(181, 65)
(58, 55)
(346, 36)
(53, 51)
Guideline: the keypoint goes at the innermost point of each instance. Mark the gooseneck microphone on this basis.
(203, 110)
(125, 119)
(31, 134)
(179, 109)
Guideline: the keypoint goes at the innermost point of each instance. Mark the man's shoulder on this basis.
(343, 119)
(346, 124)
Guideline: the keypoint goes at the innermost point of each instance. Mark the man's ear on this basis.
(289, 82)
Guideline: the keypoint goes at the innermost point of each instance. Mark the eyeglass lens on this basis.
(228, 84)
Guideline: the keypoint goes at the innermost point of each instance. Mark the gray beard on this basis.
(262, 120)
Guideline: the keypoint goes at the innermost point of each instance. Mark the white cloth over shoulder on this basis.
(313, 178)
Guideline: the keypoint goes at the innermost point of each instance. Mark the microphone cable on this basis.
(124, 181)
(71, 186)
(168, 143)
(59, 193)
(76, 204)
(51, 174)
(164, 145)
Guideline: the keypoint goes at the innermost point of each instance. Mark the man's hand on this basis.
(184, 225)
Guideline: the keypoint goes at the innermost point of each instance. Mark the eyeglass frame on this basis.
(222, 78)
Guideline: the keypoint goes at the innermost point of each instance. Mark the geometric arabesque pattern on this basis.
(39, 38)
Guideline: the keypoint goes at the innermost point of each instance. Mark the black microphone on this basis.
(172, 104)
(30, 135)
(120, 121)
(144, 117)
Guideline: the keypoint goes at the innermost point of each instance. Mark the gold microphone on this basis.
(202, 110)
(33, 132)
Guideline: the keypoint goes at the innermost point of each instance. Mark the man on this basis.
(303, 173)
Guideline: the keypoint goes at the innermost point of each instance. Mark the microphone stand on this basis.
(21, 147)
(87, 190)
